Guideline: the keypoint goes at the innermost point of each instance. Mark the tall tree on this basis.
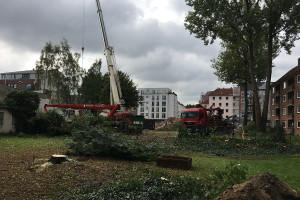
(92, 84)
(129, 90)
(276, 22)
(232, 67)
(60, 71)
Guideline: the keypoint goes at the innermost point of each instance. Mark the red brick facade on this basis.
(285, 101)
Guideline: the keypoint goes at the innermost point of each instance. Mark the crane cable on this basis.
(83, 30)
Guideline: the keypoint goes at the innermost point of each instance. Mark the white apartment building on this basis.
(159, 103)
(223, 98)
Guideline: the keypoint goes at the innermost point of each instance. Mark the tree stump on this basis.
(58, 159)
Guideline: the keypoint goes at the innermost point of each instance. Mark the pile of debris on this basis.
(260, 187)
(168, 122)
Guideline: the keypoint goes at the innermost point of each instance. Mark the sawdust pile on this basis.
(168, 122)
(260, 187)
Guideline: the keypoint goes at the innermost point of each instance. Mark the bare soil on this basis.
(260, 187)
(25, 177)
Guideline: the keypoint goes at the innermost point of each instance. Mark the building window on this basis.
(273, 101)
(157, 109)
(163, 103)
(142, 109)
(298, 109)
(3, 76)
(142, 92)
(25, 76)
(273, 112)
(214, 98)
(283, 124)
(298, 79)
(152, 115)
(226, 98)
(233, 104)
(273, 89)
(152, 109)
(298, 94)
(157, 115)
(13, 76)
(153, 97)
(227, 110)
(157, 103)
(283, 111)
(164, 109)
(220, 98)
(227, 104)
(157, 97)
(157, 91)
(163, 115)
(153, 92)
(220, 104)
(164, 92)
(284, 84)
(298, 124)
(164, 97)
(284, 98)
(142, 104)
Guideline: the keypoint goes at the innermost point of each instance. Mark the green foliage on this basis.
(129, 90)
(183, 132)
(158, 188)
(104, 142)
(251, 128)
(219, 180)
(233, 146)
(92, 84)
(60, 68)
(23, 105)
(277, 134)
(49, 123)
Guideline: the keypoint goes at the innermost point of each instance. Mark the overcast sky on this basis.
(149, 38)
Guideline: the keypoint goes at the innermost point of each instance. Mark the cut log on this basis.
(174, 162)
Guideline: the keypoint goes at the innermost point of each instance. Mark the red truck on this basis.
(203, 120)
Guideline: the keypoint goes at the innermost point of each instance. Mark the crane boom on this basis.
(115, 87)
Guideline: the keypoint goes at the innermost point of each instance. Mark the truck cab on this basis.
(194, 119)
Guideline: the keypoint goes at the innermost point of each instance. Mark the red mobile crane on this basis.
(116, 100)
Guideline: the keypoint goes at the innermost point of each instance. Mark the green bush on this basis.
(251, 128)
(277, 134)
(104, 142)
(183, 132)
(158, 188)
(49, 123)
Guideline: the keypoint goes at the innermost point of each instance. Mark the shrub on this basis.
(277, 134)
(49, 123)
(158, 188)
(251, 128)
(183, 132)
(104, 142)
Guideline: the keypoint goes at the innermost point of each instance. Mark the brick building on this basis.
(285, 101)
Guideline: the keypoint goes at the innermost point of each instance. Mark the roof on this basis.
(222, 92)
(290, 73)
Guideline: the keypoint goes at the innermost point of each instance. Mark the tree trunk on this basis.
(246, 103)
(254, 84)
(268, 81)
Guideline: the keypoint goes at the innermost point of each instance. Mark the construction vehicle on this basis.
(205, 120)
(116, 100)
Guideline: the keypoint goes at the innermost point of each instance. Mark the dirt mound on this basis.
(168, 122)
(260, 187)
